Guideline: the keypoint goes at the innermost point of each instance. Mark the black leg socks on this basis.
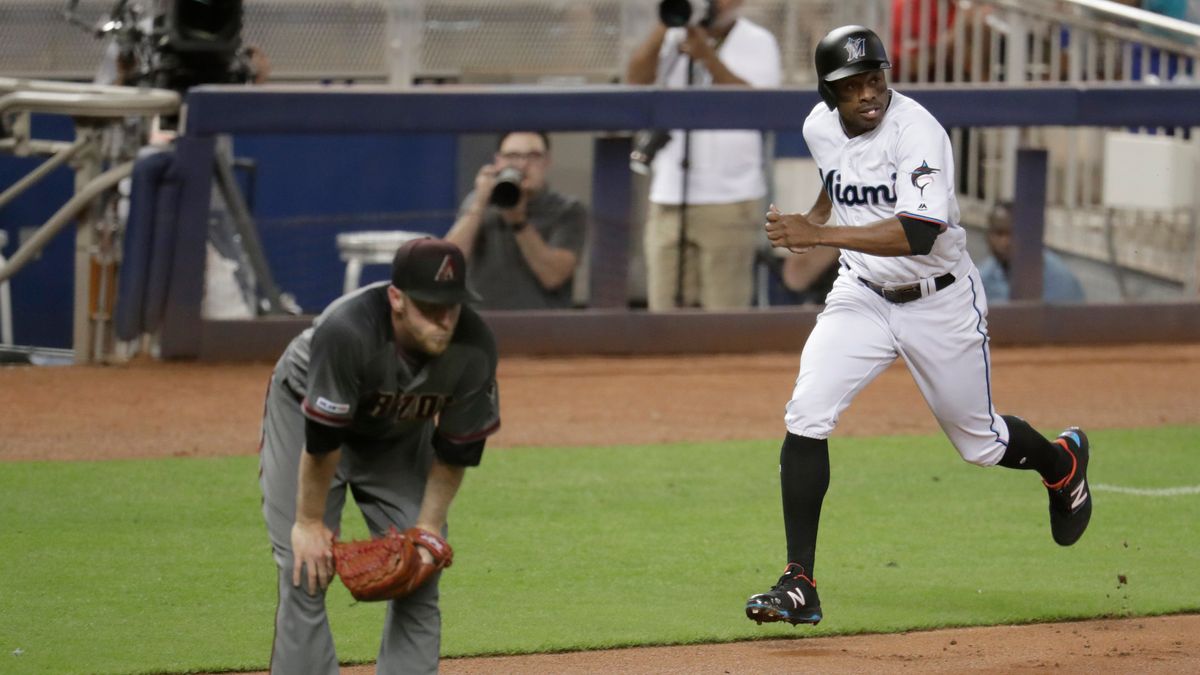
(804, 478)
(1027, 449)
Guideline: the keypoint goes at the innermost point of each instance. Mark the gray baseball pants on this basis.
(387, 479)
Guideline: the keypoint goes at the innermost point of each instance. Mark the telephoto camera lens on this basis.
(507, 191)
(646, 145)
(677, 13)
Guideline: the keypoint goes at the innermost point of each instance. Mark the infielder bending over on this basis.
(392, 393)
(908, 289)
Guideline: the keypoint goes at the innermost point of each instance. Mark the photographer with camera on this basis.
(522, 240)
(707, 187)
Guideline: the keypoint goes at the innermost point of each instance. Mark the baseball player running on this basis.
(392, 393)
(907, 289)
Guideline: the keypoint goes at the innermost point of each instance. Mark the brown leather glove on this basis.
(390, 566)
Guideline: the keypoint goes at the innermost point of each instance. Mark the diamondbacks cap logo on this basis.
(432, 270)
(856, 48)
(445, 271)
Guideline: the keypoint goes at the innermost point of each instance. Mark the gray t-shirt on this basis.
(352, 374)
(498, 270)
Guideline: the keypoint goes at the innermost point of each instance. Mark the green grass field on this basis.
(164, 566)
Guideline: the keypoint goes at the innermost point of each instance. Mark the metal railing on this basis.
(1063, 41)
(100, 162)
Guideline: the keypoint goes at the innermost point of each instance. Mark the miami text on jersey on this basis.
(857, 195)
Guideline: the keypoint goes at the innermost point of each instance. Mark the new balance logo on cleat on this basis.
(1070, 498)
(1079, 495)
(797, 597)
(793, 599)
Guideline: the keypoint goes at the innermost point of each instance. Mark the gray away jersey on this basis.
(352, 375)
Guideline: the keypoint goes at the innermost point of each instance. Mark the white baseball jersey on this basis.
(905, 166)
(902, 167)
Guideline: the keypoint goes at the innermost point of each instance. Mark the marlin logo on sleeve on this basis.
(856, 48)
(922, 177)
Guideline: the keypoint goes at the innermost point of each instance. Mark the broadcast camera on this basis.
(678, 13)
(174, 44)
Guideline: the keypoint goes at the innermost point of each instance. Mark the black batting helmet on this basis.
(847, 51)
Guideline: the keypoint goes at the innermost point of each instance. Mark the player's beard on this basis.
(433, 343)
(416, 332)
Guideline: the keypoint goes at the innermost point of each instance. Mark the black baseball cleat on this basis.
(793, 599)
(1071, 497)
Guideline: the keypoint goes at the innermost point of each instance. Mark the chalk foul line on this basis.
(1149, 492)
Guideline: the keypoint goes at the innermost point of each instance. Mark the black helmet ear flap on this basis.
(826, 92)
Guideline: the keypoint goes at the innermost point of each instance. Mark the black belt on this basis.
(906, 292)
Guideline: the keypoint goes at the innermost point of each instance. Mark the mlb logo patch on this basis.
(325, 405)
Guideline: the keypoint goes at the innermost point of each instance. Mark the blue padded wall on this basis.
(42, 294)
(309, 188)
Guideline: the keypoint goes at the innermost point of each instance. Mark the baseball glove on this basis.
(390, 566)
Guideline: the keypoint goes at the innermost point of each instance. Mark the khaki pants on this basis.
(719, 254)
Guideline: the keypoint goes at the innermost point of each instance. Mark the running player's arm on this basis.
(821, 209)
(895, 236)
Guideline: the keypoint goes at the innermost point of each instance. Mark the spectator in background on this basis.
(1059, 284)
(811, 275)
(1174, 9)
(803, 278)
(1150, 63)
(906, 47)
(522, 256)
(725, 179)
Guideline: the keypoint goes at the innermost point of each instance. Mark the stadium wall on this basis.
(608, 328)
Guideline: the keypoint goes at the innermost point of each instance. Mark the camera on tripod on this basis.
(679, 13)
(174, 44)
(673, 14)
(200, 43)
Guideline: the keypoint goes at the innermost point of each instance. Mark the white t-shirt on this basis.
(726, 166)
(903, 166)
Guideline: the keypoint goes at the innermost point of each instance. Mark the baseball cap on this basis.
(432, 270)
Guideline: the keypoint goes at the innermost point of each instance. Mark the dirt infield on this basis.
(148, 409)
